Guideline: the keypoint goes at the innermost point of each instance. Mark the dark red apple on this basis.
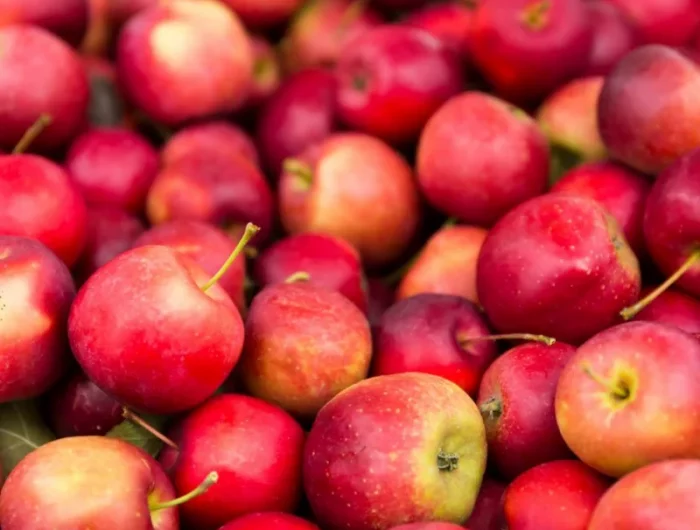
(267, 74)
(671, 22)
(613, 36)
(488, 510)
(672, 308)
(450, 22)
(392, 80)
(263, 13)
(480, 128)
(634, 381)
(68, 18)
(122, 10)
(401, 4)
(380, 298)
(556, 265)
(269, 520)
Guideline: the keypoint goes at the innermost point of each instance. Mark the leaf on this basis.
(21, 431)
(138, 436)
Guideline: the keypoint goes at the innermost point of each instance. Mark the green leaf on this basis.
(21, 431)
(138, 436)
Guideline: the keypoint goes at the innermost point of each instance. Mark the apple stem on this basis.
(299, 169)
(491, 408)
(31, 134)
(130, 416)
(299, 276)
(630, 312)
(447, 461)
(535, 15)
(211, 479)
(463, 341)
(250, 231)
(615, 390)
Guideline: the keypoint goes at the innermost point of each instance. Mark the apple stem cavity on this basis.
(491, 409)
(211, 479)
(447, 461)
(464, 341)
(299, 169)
(618, 390)
(299, 276)
(535, 15)
(31, 134)
(250, 231)
(128, 415)
(632, 311)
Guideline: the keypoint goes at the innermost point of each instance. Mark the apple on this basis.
(182, 60)
(107, 106)
(271, 520)
(488, 510)
(330, 262)
(559, 495)
(450, 22)
(395, 449)
(267, 74)
(380, 297)
(155, 331)
(446, 264)
(648, 109)
(516, 399)
(59, 87)
(671, 22)
(335, 188)
(634, 381)
(254, 447)
(656, 497)
(673, 308)
(428, 526)
(263, 13)
(480, 192)
(122, 10)
(67, 19)
(392, 80)
(613, 36)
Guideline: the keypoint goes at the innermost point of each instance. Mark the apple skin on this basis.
(672, 220)
(380, 298)
(491, 184)
(37, 200)
(655, 366)
(673, 308)
(450, 22)
(656, 497)
(329, 261)
(516, 398)
(267, 72)
(613, 37)
(670, 22)
(446, 264)
(183, 60)
(59, 87)
(217, 436)
(303, 345)
(269, 520)
(428, 526)
(620, 190)
(371, 459)
(488, 510)
(350, 174)
(207, 246)
(263, 13)
(422, 334)
(392, 81)
(556, 265)
(67, 19)
(36, 292)
(143, 313)
(572, 493)
(76, 482)
(636, 128)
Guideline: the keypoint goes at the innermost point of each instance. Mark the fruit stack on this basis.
(350, 264)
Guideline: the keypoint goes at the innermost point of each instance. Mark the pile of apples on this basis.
(350, 264)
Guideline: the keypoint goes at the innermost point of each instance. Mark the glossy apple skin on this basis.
(450, 22)
(572, 491)
(113, 167)
(670, 22)
(70, 483)
(636, 128)
(556, 265)
(217, 437)
(37, 200)
(620, 190)
(371, 458)
(264, 13)
(174, 82)
(428, 526)
(446, 264)
(351, 174)
(78, 407)
(59, 87)
(299, 114)
(36, 292)
(330, 262)
(522, 429)
(655, 497)
(392, 80)
(207, 246)
(271, 520)
(488, 510)
(143, 331)
(525, 61)
(304, 344)
(673, 308)
(613, 37)
(656, 364)
(67, 19)
(491, 184)
(672, 220)
(422, 333)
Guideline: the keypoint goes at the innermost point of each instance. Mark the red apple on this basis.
(68, 18)
(122, 10)
(648, 109)
(488, 510)
(269, 520)
(481, 191)
(335, 188)
(657, 497)
(256, 450)
(556, 265)
(380, 298)
(428, 526)
(181, 60)
(451, 22)
(392, 450)
(263, 13)
(673, 308)
(558, 495)
(329, 261)
(267, 74)
(635, 381)
(613, 37)
(392, 80)
(671, 22)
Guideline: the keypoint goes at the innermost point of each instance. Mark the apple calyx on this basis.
(128, 415)
(31, 134)
(630, 312)
(301, 170)
(250, 231)
(211, 479)
(447, 461)
(536, 15)
(491, 409)
(465, 341)
(617, 387)
(299, 276)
